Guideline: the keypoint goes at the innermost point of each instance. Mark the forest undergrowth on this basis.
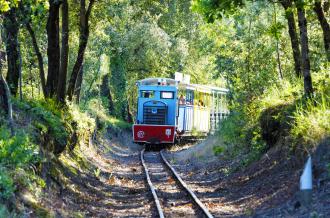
(45, 147)
(281, 117)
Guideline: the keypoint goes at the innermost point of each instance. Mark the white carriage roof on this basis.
(215, 89)
(204, 88)
(172, 82)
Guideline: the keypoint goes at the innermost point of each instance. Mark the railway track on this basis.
(172, 196)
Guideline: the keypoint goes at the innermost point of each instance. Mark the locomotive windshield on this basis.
(147, 94)
(167, 95)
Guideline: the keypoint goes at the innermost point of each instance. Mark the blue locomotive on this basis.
(168, 109)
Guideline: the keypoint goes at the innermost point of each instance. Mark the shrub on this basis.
(16, 154)
(217, 150)
(47, 118)
(6, 184)
(84, 123)
(3, 211)
(17, 150)
(95, 107)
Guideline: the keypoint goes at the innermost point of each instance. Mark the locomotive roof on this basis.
(155, 81)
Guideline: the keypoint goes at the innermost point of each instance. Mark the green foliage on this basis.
(3, 211)
(217, 150)
(213, 9)
(97, 172)
(57, 123)
(48, 118)
(304, 120)
(17, 150)
(328, 165)
(6, 185)
(231, 129)
(275, 30)
(96, 109)
(312, 121)
(4, 6)
(17, 153)
(84, 123)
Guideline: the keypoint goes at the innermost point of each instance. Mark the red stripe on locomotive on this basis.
(153, 133)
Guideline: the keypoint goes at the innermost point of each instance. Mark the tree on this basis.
(289, 14)
(305, 60)
(83, 39)
(106, 92)
(53, 49)
(325, 26)
(61, 87)
(11, 28)
(215, 9)
(39, 57)
(5, 103)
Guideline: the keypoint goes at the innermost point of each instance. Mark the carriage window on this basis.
(167, 95)
(147, 94)
(190, 97)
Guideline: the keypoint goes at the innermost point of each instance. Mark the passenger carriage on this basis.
(168, 109)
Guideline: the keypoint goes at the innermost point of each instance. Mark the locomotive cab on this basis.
(156, 111)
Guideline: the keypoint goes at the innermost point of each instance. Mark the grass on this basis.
(312, 121)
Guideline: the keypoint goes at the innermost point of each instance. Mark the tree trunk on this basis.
(53, 49)
(106, 92)
(325, 26)
(83, 39)
(61, 88)
(279, 64)
(11, 28)
(129, 114)
(287, 5)
(39, 57)
(5, 103)
(305, 62)
(4, 100)
(78, 84)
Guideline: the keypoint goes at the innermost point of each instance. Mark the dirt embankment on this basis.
(107, 180)
(101, 180)
(266, 188)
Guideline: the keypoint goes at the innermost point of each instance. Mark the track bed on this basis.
(174, 199)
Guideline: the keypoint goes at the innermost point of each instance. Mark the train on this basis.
(168, 110)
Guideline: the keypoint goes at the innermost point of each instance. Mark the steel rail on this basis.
(152, 188)
(192, 194)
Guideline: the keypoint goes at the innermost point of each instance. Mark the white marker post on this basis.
(306, 183)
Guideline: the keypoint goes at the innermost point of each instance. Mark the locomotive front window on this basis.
(167, 95)
(147, 94)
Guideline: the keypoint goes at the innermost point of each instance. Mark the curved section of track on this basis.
(171, 194)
